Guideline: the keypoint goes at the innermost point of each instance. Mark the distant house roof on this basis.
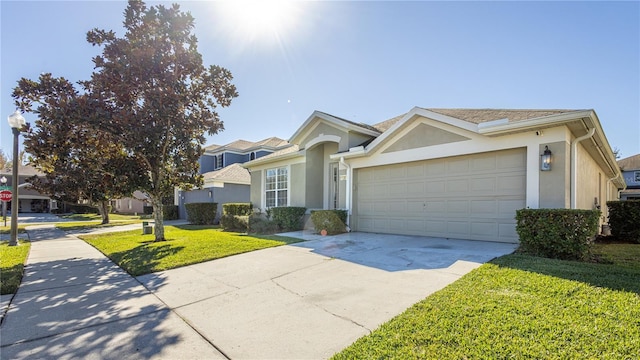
(630, 163)
(233, 173)
(23, 170)
(244, 145)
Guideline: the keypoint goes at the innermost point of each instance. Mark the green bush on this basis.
(240, 209)
(624, 219)
(82, 209)
(147, 210)
(201, 213)
(333, 221)
(557, 233)
(288, 218)
(170, 212)
(260, 225)
(235, 223)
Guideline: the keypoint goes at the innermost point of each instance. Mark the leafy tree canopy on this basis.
(162, 98)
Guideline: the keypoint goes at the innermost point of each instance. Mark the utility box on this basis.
(146, 228)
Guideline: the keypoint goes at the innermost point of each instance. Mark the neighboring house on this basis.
(453, 173)
(131, 205)
(631, 173)
(225, 181)
(29, 200)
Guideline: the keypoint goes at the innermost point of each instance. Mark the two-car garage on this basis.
(464, 197)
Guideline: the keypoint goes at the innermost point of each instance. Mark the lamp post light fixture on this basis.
(545, 159)
(17, 122)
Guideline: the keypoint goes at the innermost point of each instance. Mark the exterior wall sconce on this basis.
(545, 159)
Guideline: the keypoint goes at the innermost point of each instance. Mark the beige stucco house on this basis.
(453, 173)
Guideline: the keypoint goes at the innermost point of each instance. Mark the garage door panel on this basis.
(434, 208)
(486, 229)
(511, 184)
(458, 166)
(458, 207)
(458, 186)
(436, 227)
(470, 197)
(511, 159)
(487, 207)
(483, 164)
(436, 188)
(458, 228)
(485, 185)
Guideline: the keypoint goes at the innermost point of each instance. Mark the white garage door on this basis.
(464, 197)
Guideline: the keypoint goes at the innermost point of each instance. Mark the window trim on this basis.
(288, 188)
(220, 161)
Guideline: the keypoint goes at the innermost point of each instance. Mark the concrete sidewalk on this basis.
(75, 303)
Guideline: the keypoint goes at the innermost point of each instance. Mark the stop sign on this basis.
(5, 195)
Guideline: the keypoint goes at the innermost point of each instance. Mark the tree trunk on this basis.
(158, 215)
(104, 211)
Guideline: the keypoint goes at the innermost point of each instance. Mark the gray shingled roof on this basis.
(231, 173)
(365, 126)
(630, 163)
(242, 145)
(478, 116)
(23, 170)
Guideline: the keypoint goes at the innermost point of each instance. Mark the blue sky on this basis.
(368, 61)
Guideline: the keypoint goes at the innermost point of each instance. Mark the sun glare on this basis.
(264, 21)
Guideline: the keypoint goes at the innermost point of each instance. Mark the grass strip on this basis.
(186, 244)
(519, 307)
(12, 259)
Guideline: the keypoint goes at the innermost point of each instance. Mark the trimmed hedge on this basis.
(240, 209)
(235, 223)
(170, 212)
(261, 225)
(333, 221)
(557, 233)
(235, 216)
(82, 209)
(624, 219)
(201, 213)
(288, 218)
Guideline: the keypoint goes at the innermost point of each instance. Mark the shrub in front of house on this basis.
(332, 221)
(557, 233)
(82, 209)
(288, 218)
(624, 219)
(170, 212)
(261, 225)
(201, 213)
(235, 216)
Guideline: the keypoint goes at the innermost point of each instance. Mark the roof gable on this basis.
(319, 117)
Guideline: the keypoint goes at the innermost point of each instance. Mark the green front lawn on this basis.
(522, 307)
(12, 260)
(186, 244)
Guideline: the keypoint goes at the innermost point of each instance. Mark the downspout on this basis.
(349, 192)
(574, 166)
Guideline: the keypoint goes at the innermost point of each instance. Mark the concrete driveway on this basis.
(312, 299)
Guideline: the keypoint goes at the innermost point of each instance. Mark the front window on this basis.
(276, 186)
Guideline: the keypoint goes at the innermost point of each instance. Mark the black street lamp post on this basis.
(16, 121)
